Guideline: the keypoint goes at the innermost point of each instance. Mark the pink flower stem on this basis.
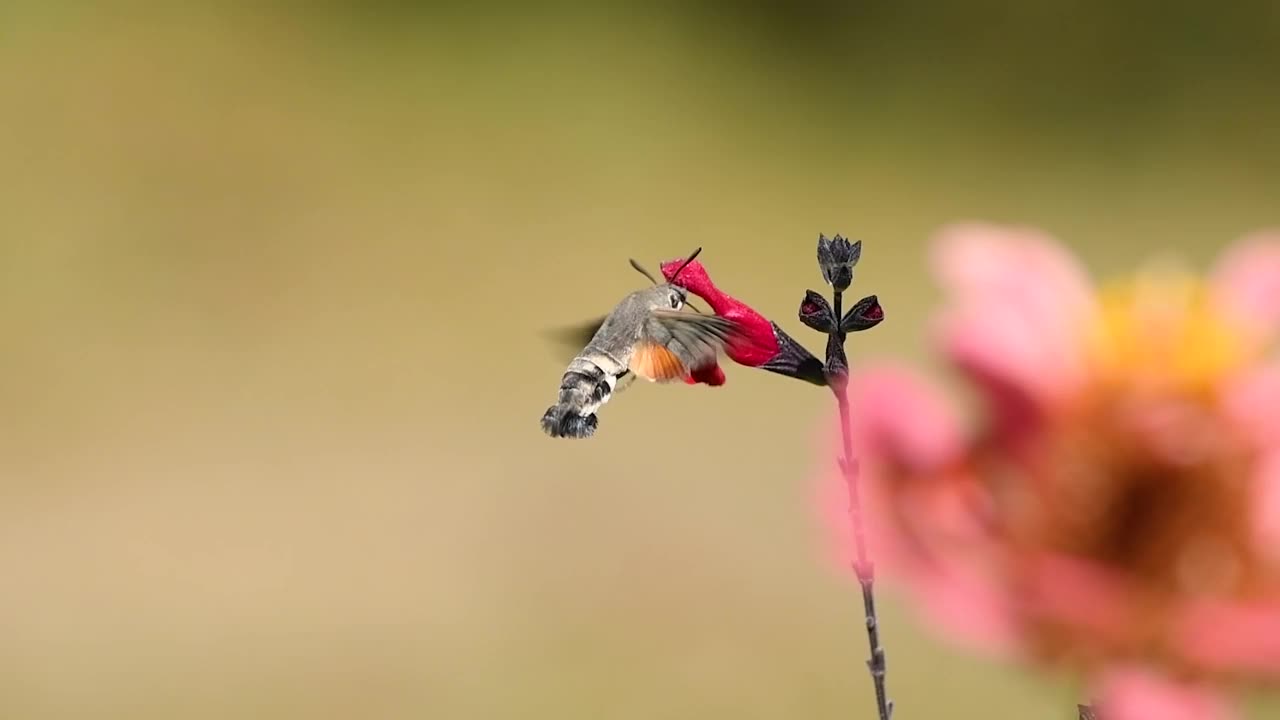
(837, 368)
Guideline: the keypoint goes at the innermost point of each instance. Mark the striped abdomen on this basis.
(585, 386)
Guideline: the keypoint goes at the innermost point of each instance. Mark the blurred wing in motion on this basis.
(569, 341)
(673, 344)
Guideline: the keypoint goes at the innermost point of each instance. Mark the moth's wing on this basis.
(568, 341)
(655, 362)
(673, 344)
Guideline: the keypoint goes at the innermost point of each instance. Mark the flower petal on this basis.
(1014, 263)
(1019, 302)
(1252, 402)
(1135, 693)
(1246, 281)
(970, 608)
(901, 417)
(1266, 508)
(1232, 637)
(1077, 593)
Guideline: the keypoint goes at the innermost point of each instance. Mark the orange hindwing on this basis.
(655, 362)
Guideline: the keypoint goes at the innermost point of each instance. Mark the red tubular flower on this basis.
(763, 344)
(712, 375)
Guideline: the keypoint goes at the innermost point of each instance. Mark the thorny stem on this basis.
(862, 566)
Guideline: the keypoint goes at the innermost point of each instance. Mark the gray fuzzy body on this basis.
(591, 377)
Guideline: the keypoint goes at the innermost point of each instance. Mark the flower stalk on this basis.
(837, 258)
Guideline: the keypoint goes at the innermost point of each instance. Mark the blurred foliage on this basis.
(1053, 65)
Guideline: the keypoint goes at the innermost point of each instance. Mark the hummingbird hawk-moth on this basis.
(645, 335)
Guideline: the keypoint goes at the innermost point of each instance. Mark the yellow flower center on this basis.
(1162, 331)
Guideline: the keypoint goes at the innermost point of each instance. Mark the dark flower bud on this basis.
(836, 258)
(793, 360)
(816, 313)
(864, 315)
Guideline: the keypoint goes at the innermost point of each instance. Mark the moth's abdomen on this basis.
(583, 389)
(559, 421)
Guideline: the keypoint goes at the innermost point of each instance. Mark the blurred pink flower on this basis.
(1116, 503)
(1139, 694)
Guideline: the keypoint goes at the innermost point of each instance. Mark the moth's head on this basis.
(669, 297)
(672, 295)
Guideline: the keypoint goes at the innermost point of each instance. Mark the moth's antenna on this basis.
(640, 269)
(685, 264)
(679, 270)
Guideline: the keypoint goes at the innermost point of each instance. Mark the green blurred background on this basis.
(274, 279)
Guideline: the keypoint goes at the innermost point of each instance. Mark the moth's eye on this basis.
(675, 302)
